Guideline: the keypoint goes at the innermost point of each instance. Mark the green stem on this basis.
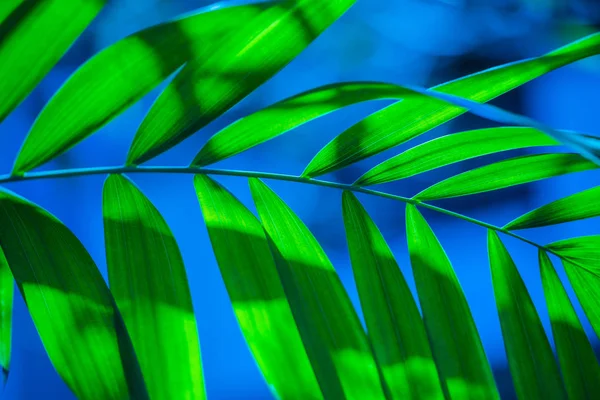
(254, 174)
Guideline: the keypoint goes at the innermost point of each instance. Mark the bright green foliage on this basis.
(577, 206)
(148, 281)
(584, 248)
(6, 306)
(252, 52)
(288, 114)
(393, 320)
(333, 337)
(532, 364)
(413, 116)
(255, 291)
(450, 149)
(506, 173)
(34, 35)
(69, 302)
(579, 365)
(119, 76)
(457, 349)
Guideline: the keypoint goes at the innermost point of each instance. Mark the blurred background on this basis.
(419, 42)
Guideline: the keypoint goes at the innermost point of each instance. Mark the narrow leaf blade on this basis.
(6, 308)
(450, 149)
(507, 173)
(575, 207)
(148, 281)
(583, 248)
(532, 365)
(333, 337)
(585, 280)
(456, 346)
(251, 54)
(579, 365)
(34, 35)
(257, 296)
(393, 321)
(70, 304)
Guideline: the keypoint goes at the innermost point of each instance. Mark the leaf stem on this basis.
(255, 174)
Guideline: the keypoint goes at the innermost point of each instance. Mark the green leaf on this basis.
(393, 320)
(451, 149)
(34, 35)
(411, 117)
(288, 114)
(330, 329)
(577, 206)
(506, 173)
(6, 307)
(70, 304)
(247, 57)
(457, 348)
(530, 358)
(584, 248)
(148, 281)
(119, 76)
(259, 302)
(579, 365)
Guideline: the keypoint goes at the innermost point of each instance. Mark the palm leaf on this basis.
(506, 173)
(579, 365)
(575, 207)
(148, 280)
(532, 364)
(6, 308)
(69, 302)
(333, 337)
(256, 293)
(457, 348)
(450, 149)
(409, 118)
(584, 248)
(248, 56)
(34, 35)
(393, 320)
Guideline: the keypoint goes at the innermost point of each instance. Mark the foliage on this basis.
(136, 337)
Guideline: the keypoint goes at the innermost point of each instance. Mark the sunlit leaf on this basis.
(69, 302)
(451, 149)
(411, 117)
(333, 337)
(120, 75)
(456, 346)
(578, 363)
(584, 248)
(506, 173)
(34, 35)
(288, 114)
(248, 56)
(532, 365)
(148, 281)
(575, 207)
(393, 320)
(256, 293)
(6, 306)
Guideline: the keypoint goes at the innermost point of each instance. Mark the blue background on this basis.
(401, 41)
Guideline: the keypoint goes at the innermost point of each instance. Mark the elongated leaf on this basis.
(506, 173)
(457, 348)
(120, 75)
(579, 365)
(148, 280)
(585, 248)
(6, 306)
(411, 117)
(393, 320)
(256, 293)
(69, 302)
(532, 364)
(333, 337)
(578, 206)
(34, 35)
(288, 114)
(451, 149)
(250, 54)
